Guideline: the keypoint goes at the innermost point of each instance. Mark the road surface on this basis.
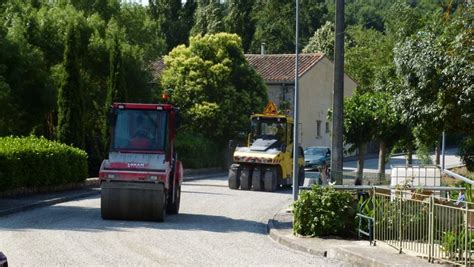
(216, 226)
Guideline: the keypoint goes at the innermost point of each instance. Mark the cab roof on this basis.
(142, 106)
(274, 116)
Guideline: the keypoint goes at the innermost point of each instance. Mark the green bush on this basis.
(32, 161)
(196, 151)
(323, 211)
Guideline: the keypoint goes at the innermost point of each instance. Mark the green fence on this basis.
(420, 222)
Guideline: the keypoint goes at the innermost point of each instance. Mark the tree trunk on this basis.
(410, 154)
(360, 163)
(437, 153)
(382, 149)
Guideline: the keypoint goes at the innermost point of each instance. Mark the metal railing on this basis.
(419, 222)
(368, 231)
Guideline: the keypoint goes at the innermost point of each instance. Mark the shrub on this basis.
(323, 211)
(32, 161)
(196, 151)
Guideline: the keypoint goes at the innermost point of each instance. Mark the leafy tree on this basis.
(322, 41)
(436, 70)
(209, 17)
(387, 126)
(145, 32)
(167, 13)
(23, 74)
(71, 97)
(274, 26)
(360, 125)
(239, 20)
(313, 15)
(419, 63)
(367, 53)
(466, 151)
(213, 85)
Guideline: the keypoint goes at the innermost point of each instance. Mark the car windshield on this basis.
(140, 130)
(316, 151)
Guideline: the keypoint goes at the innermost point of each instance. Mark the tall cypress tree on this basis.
(116, 89)
(71, 96)
(187, 17)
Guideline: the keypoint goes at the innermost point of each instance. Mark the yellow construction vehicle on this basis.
(267, 160)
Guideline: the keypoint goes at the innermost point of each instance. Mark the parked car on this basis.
(3, 260)
(317, 157)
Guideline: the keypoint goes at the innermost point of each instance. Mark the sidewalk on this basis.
(356, 252)
(24, 202)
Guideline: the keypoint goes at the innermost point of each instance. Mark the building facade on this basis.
(316, 75)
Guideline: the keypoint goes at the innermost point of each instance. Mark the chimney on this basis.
(262, 49)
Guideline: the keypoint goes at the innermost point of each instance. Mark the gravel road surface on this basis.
(216, 226)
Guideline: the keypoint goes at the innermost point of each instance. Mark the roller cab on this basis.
(142, 177)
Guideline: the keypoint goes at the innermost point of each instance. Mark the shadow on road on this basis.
(73, 218)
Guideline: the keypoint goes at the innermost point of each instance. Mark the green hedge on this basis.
(32, 161)
(196, 151)
(324, 212)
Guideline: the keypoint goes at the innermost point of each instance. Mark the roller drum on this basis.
(133, 201)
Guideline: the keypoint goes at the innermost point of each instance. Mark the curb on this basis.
(49, 202)
(280, 239)
(335, 251)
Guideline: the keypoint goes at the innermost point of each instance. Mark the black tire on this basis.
(245, 179)
(173, 207)
(257, 181)
(301, 176)
(270, 180)
(234, 176)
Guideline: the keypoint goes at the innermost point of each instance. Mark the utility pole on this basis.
(295, 114)
(338, 95)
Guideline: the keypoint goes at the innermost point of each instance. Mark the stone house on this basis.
(316, 74)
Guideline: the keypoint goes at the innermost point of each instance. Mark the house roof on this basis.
(281, 67)
(274, 68)
(158, 67)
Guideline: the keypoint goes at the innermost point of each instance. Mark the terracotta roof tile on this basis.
(281, 67)
(272, 67)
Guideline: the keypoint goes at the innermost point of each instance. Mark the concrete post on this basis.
(338, 94)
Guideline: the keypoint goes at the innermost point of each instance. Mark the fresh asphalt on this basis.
(216, 226)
